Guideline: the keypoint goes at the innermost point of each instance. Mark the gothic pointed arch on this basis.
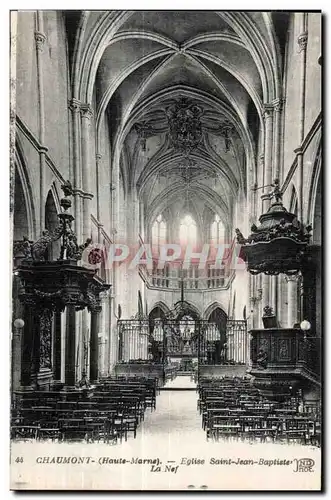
(158, 310)
(24, 219)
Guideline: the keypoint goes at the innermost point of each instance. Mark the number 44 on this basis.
(19, 460)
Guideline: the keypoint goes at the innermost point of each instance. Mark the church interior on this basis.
(166, 221)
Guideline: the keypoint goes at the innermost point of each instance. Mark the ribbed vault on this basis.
(135, 66)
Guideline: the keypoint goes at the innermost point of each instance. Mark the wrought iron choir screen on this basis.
(165, 340)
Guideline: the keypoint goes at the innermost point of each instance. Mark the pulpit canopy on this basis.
(278, 244)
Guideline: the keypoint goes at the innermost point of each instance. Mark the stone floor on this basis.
(176, 419)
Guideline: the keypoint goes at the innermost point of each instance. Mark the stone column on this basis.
(57, 345)
(265, 291)
(104, 338)
(98, 158)
(70, 350)
(302, 42)
(274, 293)
(86, 114)
(268, 150)
(27, 347)
(40, 39)
(277, 137)
(45, 374)
(282, 301)
(292, 300)
(74, 106)
(106, 314)
(16, 358)
(308, 295)
(94, 343)
(256, 296)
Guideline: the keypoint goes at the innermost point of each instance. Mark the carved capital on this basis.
(96, 309)
(278, 105)
(292, 278)
(265, 196)
(86, 111)
(75, 105)
(40, 39)
(268, 111)
(104, 295)
(302, 41)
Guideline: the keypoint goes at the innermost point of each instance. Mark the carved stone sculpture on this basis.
(185, 128)
(45, 324)
(262, 359)
(39, 248)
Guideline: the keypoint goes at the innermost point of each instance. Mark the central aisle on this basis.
(181, 382)
(175, 419)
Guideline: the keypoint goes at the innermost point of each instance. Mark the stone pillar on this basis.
(75, 106)
(16, 358)
(282, 301)
(277, 137)
(302, 42)
(268, 150)
(27, 347)
(265, 291)
(103, 341)
(94, 343)
(256, 296)
(45, 319)
(86, 114)
(115, 184)
(274, 293)
(98, 158)
(85, 324)
(70, 350)
(107, 313)
(308, 295)
(40, 39)
(57, 345)
(292, 300)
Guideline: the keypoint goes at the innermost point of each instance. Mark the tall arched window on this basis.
(159, 231)
(217, 230)
(188, 231)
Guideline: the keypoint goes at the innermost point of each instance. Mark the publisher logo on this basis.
(303, 464)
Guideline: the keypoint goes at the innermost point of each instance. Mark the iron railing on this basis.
(165, 340)
(237, 341)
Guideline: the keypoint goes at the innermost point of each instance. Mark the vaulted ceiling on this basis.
(139, 65)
